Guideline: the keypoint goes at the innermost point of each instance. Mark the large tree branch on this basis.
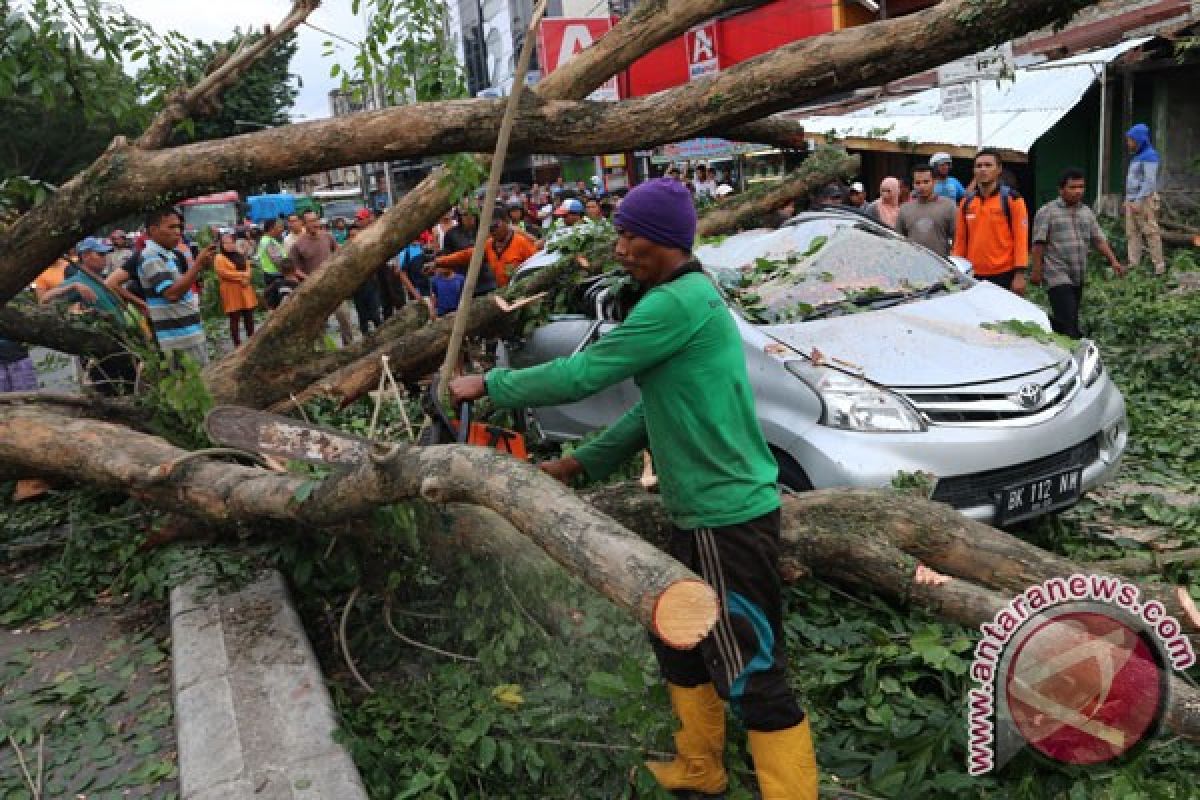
(647, 26)
(85, 202)
(827, 164)
(48, 327)
(870, 541)
(125, 179)
(201, 99)
(418, 351)
(799, 71)
(656, 589)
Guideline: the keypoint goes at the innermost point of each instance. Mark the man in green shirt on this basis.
(717, 478)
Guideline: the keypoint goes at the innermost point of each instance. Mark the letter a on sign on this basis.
(576, 38)
(562, 38)
(702, 51)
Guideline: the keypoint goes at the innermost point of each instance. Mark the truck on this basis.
(262, 207)
(218, 210)
(340, 202)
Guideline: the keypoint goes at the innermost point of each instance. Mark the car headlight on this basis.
(1091, 366)
(854, 404)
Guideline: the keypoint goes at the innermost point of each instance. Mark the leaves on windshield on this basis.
(848, 271)
(1028, 329)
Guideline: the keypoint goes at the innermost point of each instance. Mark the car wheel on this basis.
(791, 474)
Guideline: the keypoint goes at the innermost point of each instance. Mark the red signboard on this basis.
(737, 38)
(561, 38)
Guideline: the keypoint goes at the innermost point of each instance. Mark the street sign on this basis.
(993, 63)
(562, 38)
(703, 58)
(958, 101)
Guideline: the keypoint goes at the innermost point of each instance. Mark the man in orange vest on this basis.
(507, 248)
(993, 227)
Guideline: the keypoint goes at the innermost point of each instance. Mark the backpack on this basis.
(1007, 194)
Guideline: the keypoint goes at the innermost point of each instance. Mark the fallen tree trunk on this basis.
(421, 350)
(582, 533)
(658, 591)
(88, 200)
(932, 533)
(862, 560)
(46, 326)
(742, 211)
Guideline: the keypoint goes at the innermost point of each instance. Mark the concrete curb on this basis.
(253, 718)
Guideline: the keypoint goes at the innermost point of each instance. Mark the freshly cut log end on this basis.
(684, 613)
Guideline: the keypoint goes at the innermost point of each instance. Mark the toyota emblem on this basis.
(1030, 395)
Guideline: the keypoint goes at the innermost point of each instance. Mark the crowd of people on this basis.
(156, 273)
(987, 222)
(151, 281)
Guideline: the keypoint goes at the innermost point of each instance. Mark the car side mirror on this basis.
(963, 265)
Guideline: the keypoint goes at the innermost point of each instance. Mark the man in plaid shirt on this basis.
(1062, 231)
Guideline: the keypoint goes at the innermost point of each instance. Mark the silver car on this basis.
(871, 356)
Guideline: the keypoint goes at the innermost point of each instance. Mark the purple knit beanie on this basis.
(661, 210)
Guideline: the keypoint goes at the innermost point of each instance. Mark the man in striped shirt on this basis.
(172, 303)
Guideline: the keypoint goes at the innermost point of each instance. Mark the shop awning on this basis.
(1017, 111)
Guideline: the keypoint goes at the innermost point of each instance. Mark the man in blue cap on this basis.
(115, 373)
(86, 284)
(717, 478)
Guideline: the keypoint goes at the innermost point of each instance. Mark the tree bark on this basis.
(855, 538)
(658, 591)
(863, 561)
(416, 354)
(800, 71)
(741, 211)
(47, 326)
(931, 533)
(87, 200)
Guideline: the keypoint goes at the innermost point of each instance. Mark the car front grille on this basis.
(980, 488)
(998, 403)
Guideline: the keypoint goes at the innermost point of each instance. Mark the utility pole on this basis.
(377, 99)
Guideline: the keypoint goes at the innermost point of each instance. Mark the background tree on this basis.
(262, 97)
(65, 91)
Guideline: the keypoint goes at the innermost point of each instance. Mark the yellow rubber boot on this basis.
(699, 743)
(785, 763)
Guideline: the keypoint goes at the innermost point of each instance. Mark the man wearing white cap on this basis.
(857, 197)
(567, 215)
(944, 183)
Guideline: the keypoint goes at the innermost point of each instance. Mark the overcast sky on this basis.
(214, 20)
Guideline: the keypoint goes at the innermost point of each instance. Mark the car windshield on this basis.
(821, 266)
(340, 208)
(203, 215)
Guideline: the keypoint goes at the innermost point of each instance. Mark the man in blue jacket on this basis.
(1141, 199)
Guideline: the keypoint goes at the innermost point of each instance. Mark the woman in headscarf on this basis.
(886, 210)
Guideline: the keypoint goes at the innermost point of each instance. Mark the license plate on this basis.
(1031, 498)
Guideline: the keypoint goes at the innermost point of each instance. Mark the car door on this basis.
(565, 335)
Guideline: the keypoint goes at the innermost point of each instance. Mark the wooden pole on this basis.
(461, 317)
